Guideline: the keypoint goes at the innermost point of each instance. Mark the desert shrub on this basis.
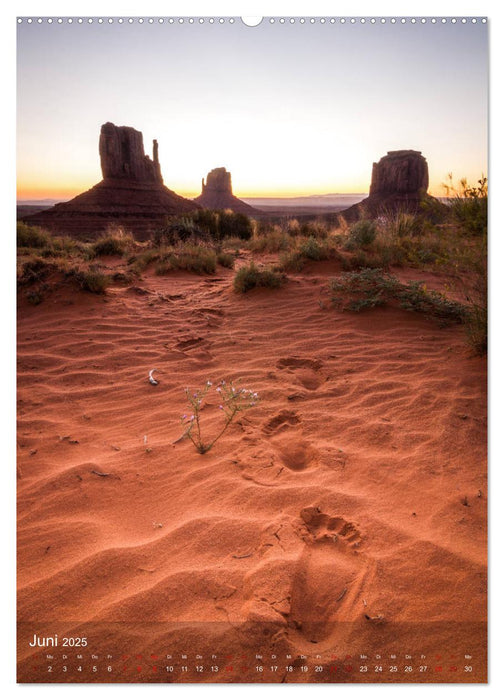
(207, 220)
(205, 224)
(476, 295)
(400, 224)
(32, 236)
(264, 227)
(308, 249)
(109, 245)
(34, 269)
(90, 280)
(432, 210)
(312, 249)
(192, 258)
(312, 229)
(235, 224)
(250, 276)
(468, 205)
(368, 288)
(138, 263)
(226, 260)
(293, 261)
(234, 243)
(273, 242)
(94, 281)
(361, 234)
(35, 296)
(178, 230)
(477, 324)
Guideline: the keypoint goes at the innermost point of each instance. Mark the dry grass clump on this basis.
(141, 261)
(112, 245)
(90, 280)
(249, 277)
(274, 241)
(34, 269)
(306, 249)
(468, 204)
(32, 236)
(34, 240)
(189, 257)
(226, 259)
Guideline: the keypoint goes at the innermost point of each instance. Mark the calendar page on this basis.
(252, 335)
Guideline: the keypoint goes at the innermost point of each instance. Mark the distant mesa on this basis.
(217, 193)
(131, 194)
(399, 181)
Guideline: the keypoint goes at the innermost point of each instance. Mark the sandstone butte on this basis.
(132, 193)
(217, 193)
(399, 182)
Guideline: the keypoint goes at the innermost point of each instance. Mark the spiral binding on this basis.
(271, 20)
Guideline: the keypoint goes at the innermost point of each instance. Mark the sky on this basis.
(289, 109)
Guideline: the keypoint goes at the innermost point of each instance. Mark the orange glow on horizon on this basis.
(30, 191)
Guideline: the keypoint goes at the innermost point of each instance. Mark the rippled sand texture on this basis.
(345, 514)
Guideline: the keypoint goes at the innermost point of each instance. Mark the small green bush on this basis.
(313, 250)
(110, 245)
(208, 221)
(313, 229)
(35, 296)
(32, 237)
(91, 280)
(361, 234)
(34, 269)
(179, 230)
(468, 205)
(226, 260)
(192, 258)
(94, 281)
(235, 224)
(250, 276)
(401, 224)
(369, 288)
(476, 294)
(138, 263)
(204, 224)
(308, 249)
(273, 242)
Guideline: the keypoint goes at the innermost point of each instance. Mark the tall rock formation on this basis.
(399, 182)
(217, 193)
(400, 173)
(131, 194)
(122, 155)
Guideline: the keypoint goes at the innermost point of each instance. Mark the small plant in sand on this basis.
(369, 288)
(232, 400)
(249, 277)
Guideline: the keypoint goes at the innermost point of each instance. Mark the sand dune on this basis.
(345, 514)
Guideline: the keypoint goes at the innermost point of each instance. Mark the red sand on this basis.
(344, 515)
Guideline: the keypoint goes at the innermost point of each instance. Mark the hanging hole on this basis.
(251, 21)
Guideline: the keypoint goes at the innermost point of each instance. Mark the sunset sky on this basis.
(289, 109)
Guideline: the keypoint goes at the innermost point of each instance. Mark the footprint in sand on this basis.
(294, 452)
(328, 578)
(306, 370)
(195, 347)
(280, 422)
(326, 527)
(188, 343)
(213, 317)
